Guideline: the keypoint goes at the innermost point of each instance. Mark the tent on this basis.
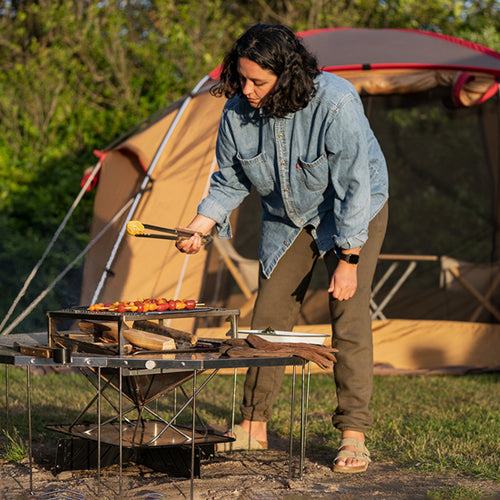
(159, 173)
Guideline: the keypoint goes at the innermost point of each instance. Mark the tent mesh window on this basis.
(441, 197)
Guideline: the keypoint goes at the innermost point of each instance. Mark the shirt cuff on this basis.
(215, 211)
(352, 242)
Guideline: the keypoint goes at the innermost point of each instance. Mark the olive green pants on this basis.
(278, 305)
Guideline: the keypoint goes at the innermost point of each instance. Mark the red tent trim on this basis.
(375, 66)
(102, 156)
(462, 80)
(128, 151)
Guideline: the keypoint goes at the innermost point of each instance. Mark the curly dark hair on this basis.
(275, 48)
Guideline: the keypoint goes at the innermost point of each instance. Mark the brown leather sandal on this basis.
(361, 453)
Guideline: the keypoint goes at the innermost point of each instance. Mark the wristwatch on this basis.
(350, 258)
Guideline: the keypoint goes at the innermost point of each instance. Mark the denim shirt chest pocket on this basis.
(313, 175)
(258, 172)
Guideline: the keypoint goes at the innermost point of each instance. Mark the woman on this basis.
(301, 138)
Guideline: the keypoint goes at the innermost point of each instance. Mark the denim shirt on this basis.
(320, 167)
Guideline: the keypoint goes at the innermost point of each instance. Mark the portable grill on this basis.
(141, 379)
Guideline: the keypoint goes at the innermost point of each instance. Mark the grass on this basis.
(456, 493)
(14, 448)
(435, 424)
(440, 424)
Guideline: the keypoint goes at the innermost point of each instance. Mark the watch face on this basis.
(350, 258)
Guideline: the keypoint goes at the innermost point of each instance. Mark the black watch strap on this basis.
(350, 258)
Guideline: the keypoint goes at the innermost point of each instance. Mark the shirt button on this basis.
(286, 242)
(283, 163)
(281, 135)
(292, 211)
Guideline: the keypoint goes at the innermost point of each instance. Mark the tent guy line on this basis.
(42, 295)
(59, 230)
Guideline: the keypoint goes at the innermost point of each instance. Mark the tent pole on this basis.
(144, 184)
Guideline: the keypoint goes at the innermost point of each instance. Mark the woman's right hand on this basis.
(189, 245)
(193, 244)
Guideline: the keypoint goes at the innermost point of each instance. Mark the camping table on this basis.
(129, 365)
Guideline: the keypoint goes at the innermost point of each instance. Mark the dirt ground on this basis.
(259, 475)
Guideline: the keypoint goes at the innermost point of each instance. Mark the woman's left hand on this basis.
(344, 281)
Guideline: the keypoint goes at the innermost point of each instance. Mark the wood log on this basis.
(138, 338)
(152, 326)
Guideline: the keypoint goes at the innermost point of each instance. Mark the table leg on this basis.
(192, 435)
(233, 406)
(30, 440)
(7, 397)
(303, 420)
(99, 432)
(120, 405)
(290, 440)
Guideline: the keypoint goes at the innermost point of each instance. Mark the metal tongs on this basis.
(136, 228)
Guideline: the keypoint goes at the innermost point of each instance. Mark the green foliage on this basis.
(84, 73)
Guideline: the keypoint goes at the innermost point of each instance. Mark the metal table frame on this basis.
(130, 365)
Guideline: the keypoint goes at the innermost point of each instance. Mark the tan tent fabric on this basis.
(410, 345)
(404, 81)
(120, 178)
(474, 89)
(145, 143)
